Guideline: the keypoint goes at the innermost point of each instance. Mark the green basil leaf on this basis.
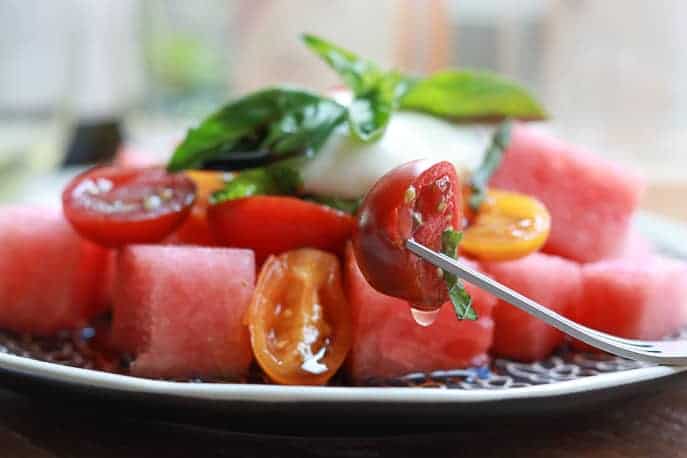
(349, 206)
(492, 160)
(461, 300)
(276, 179)
(376, 92)
(284, 118)
(370, 112)
(359, 74)
(472, 95)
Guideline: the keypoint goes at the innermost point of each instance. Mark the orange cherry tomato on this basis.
(196, 230)
(299, 319)
(508, 226)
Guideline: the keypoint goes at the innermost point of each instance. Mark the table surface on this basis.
(651, 426)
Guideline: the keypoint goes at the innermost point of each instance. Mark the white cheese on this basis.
(347, 168)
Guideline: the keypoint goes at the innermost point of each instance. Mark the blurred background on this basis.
(135, 74)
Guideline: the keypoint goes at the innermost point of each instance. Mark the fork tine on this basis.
(646, 351)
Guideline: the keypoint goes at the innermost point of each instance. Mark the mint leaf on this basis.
(492, 160)
(377, 93)
(472, 95)
(277, 179)
(461, 300)
(282, 120)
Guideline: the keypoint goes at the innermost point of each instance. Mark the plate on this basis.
(566, 381)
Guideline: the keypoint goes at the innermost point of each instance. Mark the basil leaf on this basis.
(359, 74)
(377, 93)
(349, 206)
(492, 160)
(461, 300)
(370, 112)
(472, 95)
(286, 119)
(277, 179)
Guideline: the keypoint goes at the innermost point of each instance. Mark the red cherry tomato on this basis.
(416, 200)
(275, 224)
(114, 206)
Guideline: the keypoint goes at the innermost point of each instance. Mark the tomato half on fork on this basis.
(114, 206)
(417, 200)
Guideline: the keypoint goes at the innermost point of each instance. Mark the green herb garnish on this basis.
(377, 93)
(492, 159)
(282, 120)
(277, 179)
(466, 95)
(462, 302)
(349, 206)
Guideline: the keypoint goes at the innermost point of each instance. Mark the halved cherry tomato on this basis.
(114, 206)
(420, 200)
(299, 319)
(275, 224)
(196, 229)
(508, 226)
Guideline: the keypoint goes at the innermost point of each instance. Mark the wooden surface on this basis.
(647, 427)
(654, 426)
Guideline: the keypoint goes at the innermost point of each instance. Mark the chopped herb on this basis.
(491, 162)
(462, 302)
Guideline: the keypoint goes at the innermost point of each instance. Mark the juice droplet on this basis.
(424, 317)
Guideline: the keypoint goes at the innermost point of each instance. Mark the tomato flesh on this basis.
(416, 200)
(275, 224)
(508, 226)
(114, 206)
(299, 319)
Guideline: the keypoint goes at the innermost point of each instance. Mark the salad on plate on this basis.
(271, 246)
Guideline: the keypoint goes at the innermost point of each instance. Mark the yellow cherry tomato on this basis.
(508, 226)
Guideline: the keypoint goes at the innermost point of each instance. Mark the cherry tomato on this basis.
(418, 200)
(299, 319)
(274, 224)
(508, 226)
(196, 229)
(114, 206)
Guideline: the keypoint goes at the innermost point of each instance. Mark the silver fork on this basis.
(672, 353)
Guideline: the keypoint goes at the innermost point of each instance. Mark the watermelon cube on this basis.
(50, 278)
(388, 343)
(179, 310)
(591, 200)
(550, 280)
(644, 300)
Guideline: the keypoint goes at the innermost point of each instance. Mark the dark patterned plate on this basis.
(565, 381)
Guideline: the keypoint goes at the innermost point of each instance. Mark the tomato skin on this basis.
(196, 230)
(385, 222)
(275, 224)
(95, 215)
(299, 319)
(508, 226)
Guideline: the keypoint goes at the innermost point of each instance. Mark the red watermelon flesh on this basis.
(179, 310)
(51, 278)
(644, 300)
(550, 280)
(387, 342)
(591, 200)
